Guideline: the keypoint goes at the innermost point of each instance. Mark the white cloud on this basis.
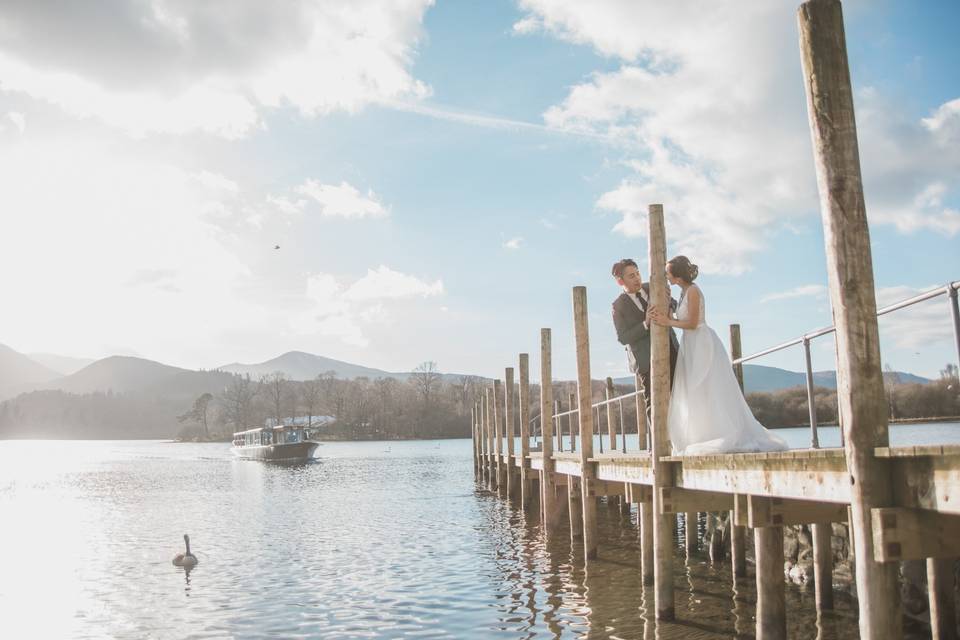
(18, 120)
(805, 291)
(217, 183)
(179, 66)
(385, 283)
(343, 201)
(713, 95)
(924, 324)
(513, 243)
(342, 311)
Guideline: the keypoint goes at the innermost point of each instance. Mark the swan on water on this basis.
(187, 559)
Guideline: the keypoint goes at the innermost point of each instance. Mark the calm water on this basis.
(375, 540)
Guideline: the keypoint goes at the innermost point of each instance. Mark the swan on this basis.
(187, 559)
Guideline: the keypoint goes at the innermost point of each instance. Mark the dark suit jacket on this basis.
(628, 320)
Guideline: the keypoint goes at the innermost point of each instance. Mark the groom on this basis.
(630, 321)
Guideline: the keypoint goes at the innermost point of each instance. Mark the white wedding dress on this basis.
(708, 413)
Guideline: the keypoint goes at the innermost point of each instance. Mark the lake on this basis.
(373, 540)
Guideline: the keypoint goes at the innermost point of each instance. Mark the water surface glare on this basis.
(373, 540)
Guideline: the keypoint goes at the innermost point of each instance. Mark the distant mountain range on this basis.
(121, 374)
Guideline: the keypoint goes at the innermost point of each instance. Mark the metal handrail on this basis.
(949, 290)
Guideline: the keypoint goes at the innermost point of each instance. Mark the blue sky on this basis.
(438, 176)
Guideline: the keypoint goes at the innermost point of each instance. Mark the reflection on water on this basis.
(372, 540)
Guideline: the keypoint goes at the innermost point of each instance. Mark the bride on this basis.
(707, 411)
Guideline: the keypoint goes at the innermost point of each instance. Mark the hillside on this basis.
(298, 365)
(64, 365)
(18, 372)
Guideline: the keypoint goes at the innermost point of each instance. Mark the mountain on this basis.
(64, 365)
(759, 378)
(298, 365)
(18, 372)
(122, 374)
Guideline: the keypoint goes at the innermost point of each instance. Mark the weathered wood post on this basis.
(498, 435)
(509, 430)
(738, 550)
(524, 402)
(943, 608)
(557, 410)
(647, 562)
(548, 489)
(822, 564)
(572, 400)
(473, 439)
(611, 392)
(585, 404)
(853, 298)
(488, 427)
(771, 593)
(659, 403)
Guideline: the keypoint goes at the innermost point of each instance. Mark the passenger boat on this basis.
(283, 443)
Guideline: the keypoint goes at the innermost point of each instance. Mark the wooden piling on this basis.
(488, 427)
(647, 564)
(585, 405)
(822, 564)
(853, 299)
(510, 468)
(771, 592)
(575, 508)
(548, 489)
(738, 550)
(575, 418)
(497, 414)
(659, 403)
(524, 402)
(943, 611)
(473, 439)
(611, 392)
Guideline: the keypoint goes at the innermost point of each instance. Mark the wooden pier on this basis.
(901, 503)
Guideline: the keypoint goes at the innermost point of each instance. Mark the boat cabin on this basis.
(264, 436)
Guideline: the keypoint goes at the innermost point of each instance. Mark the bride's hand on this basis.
(656, 316)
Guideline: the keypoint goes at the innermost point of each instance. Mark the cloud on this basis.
(513, 243)
(180, 66)
(343, 201)
(713, 100)
(805, 291)
(924, 324)
(385, 283)
(18, 120)
(341, 311)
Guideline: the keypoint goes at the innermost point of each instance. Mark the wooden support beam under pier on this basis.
(769, 512)
(677, 500)
(914, 534)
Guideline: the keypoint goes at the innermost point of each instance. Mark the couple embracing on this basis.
(708, 413)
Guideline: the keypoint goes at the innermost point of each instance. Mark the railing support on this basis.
(955, 311)
(738, 548)
(811, 402)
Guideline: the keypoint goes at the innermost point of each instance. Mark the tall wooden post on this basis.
(943, 608)
(509, 429)
(473, 438)
(524, 402)
(738, 550)
(822, 564)
(611, 392)
(690, 522)
(498, 435)
(572, 399)
(488, 427)
(647, 562)
(771, 593)
(585, 404)
(659, 403)
(548, 489)
(850, 273)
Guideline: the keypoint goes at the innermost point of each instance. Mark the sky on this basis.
(393, 182)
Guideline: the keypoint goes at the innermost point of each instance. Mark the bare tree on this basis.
(426, 379)
(311, 395)
(276, 386)
(198, 413)
(237, 401)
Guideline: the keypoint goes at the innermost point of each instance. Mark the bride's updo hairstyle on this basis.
(681, 267)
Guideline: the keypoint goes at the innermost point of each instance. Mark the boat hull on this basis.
(287, 452)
